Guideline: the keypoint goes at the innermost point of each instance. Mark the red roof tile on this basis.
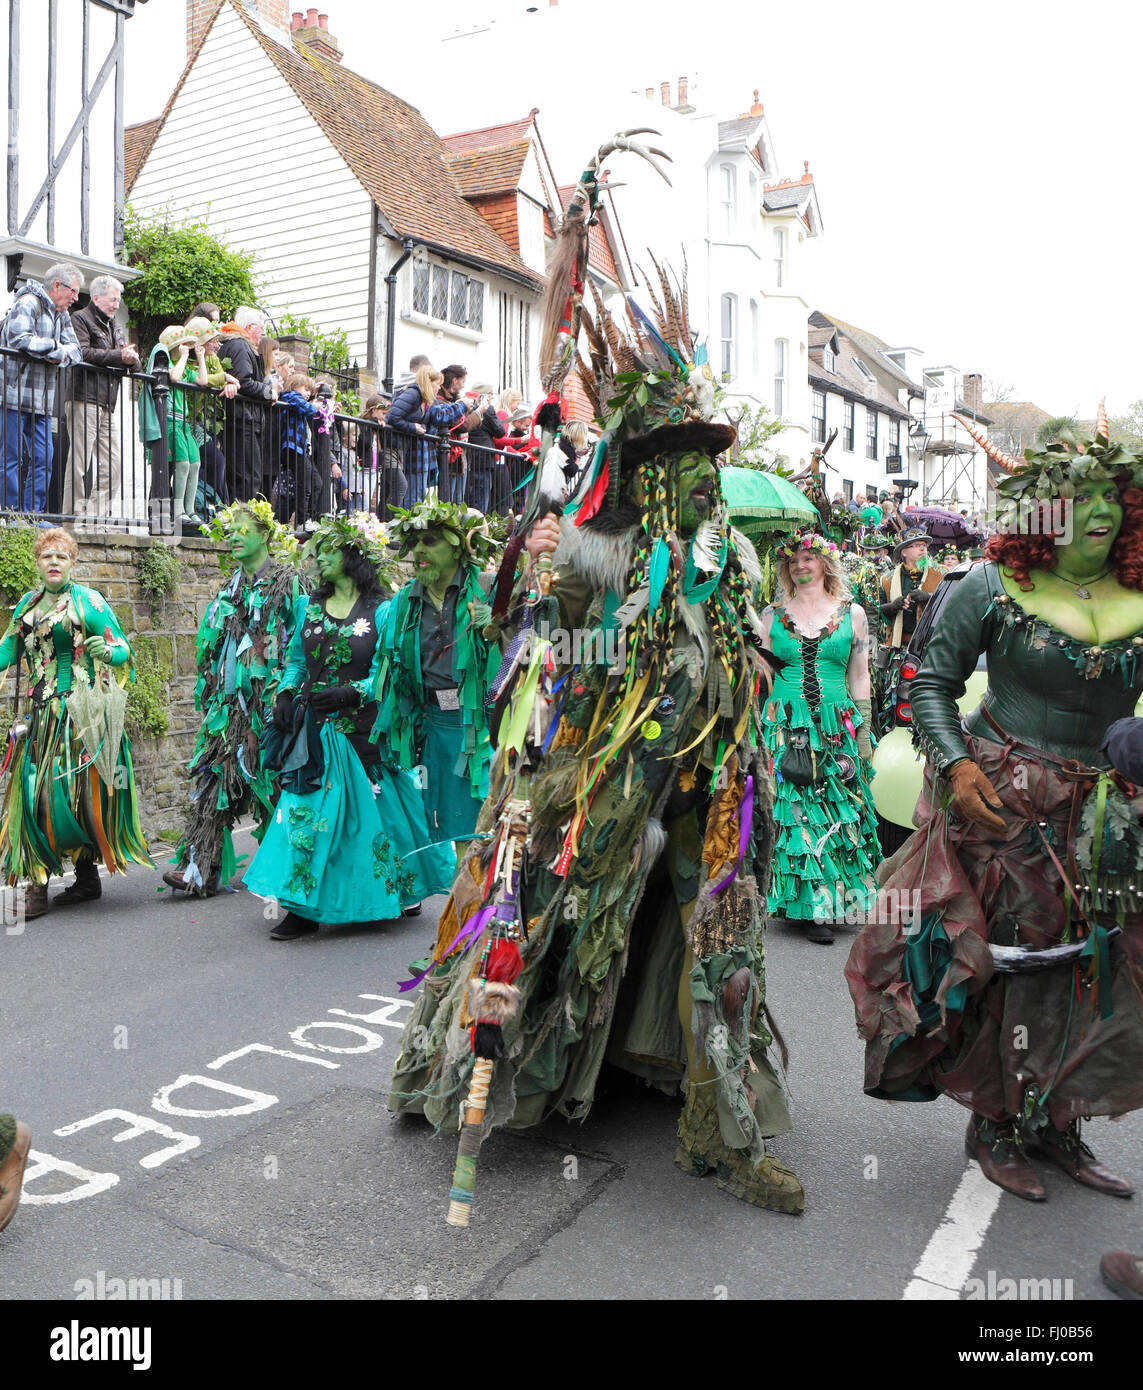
(491, 137)
(137, 141)
(488, 171)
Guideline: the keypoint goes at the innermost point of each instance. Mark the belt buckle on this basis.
(448, 699)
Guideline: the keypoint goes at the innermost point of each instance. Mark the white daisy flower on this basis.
(361, 627)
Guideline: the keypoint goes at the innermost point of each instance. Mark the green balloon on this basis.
(899, 777)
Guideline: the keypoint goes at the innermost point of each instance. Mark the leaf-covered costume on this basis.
(242, 643)
(825, 849)
(432, 709)
(608, 941)
(335, 854)
(936, 1015)
(57, 802)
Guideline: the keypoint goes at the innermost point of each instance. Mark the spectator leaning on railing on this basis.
(418, 412)
(38, 325)
(485, 468)
(93, 432)
(206, 417)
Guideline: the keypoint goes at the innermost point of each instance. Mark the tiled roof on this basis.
(136, 142)
(392, 150)
(480, 172)
(733, 132)
(599, 252)
(846, 379)
(788, 196)
(491, 137)
(500, 212)
(872, 346)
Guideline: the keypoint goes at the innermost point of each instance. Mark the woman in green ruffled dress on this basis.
(60, 798)
(335, 847)
(817, 724)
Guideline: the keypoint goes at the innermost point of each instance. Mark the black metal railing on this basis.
(112, 449)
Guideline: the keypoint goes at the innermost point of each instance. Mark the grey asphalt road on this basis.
(311, 1190)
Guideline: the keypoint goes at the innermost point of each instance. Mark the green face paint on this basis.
(1097, 515)
(248, 545)
(53, 565)
(435, 557)
(330, 563)
(696, 491)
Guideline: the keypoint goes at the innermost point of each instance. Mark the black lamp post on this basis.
(919, 443)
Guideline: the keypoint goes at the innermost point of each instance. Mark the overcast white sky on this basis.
(976, 163)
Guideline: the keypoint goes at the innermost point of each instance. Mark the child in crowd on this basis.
(298, 484)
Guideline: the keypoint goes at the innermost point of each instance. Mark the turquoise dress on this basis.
(338, 854)
(826, 847)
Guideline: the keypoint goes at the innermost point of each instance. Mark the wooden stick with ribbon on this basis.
(493, 1000)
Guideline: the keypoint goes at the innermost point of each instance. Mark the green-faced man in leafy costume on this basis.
(242, 643)
(439, 665)
(637, 771)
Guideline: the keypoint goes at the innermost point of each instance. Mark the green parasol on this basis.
(759, 502)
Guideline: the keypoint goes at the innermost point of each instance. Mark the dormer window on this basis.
(829, 360)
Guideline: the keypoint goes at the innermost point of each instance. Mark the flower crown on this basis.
(468, 527)
(810, 541)
(361, 532)
(280, 540)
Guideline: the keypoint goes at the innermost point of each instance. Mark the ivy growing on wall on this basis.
(17, 559)
(148, 696)
(160, 574)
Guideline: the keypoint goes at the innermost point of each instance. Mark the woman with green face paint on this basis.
(242, 642)
(440, 666)
(62, 796)
(1014, 981)
(340, 844)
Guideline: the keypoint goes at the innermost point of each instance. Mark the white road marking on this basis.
(951, 1252)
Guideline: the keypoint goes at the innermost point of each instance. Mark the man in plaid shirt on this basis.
(38, 324)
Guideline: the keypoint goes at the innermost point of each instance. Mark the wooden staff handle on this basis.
(464, 1174)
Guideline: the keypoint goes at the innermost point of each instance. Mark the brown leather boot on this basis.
(12, 1173)
(35, 900)
(1067, 1151)
(1123, 1274)
(996, 1149)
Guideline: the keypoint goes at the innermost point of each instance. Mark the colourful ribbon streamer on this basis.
(745, 819)
(471, 929)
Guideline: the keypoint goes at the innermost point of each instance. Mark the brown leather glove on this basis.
(975, 798)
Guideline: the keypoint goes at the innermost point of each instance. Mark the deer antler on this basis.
(1006, 461)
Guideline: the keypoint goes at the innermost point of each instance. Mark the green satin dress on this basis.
(826, 847)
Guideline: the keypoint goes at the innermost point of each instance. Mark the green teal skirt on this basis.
(326, 855)
(449, 803)
(401, 807)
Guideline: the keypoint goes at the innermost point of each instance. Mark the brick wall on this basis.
(108, 563)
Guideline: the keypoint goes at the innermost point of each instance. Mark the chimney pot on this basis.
(665, 93)
(682, 91)
(323, 21)
(650, 93)
(296, 20)
(311, 18)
